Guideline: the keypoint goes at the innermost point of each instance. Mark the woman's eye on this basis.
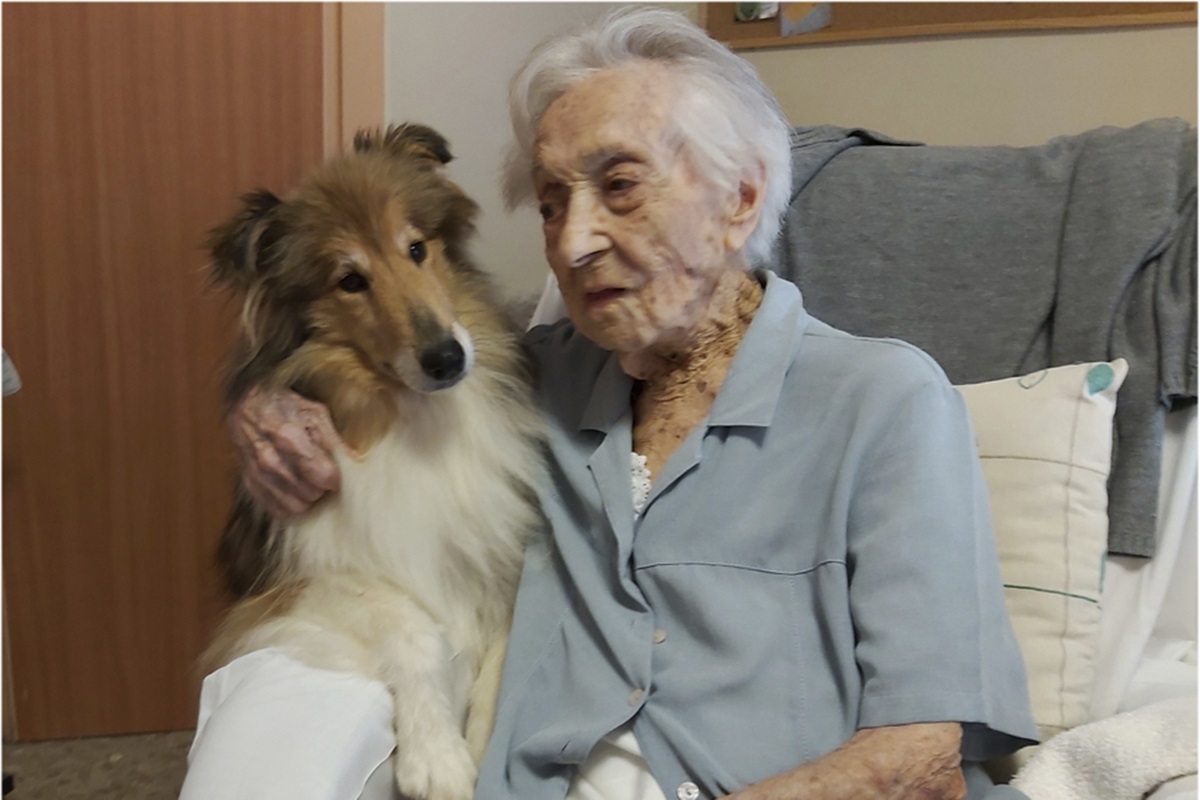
(619, 184)
(354, 282)
(417, 251)
(547, 211)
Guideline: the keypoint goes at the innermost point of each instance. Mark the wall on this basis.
(1003, 89)
(448, 65)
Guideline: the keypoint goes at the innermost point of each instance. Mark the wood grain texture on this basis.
(129, 131)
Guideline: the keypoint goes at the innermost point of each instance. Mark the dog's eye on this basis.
(417, 251)
(354, 282)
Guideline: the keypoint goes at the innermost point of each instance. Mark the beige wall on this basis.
(448, 65)
(1003, 89)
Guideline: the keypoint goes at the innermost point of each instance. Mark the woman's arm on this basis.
(286, 444)
(910, 762)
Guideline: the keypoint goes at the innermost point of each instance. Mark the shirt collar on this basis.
(611, 395)
(751, 390)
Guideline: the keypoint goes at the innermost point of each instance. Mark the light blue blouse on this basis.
(816, 558)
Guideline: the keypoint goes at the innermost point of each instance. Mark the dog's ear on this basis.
(241, 247)
(405, 141)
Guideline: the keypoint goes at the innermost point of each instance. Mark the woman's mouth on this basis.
(602, 297)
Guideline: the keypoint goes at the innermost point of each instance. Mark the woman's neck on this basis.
(679, 385)
(715, 337)
(709, 345)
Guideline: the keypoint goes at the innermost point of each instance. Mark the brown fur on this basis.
(358, 294)
(302, 333)
(246, 615)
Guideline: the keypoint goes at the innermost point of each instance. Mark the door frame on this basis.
(354, 85)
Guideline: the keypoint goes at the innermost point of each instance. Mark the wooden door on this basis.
(129, 130)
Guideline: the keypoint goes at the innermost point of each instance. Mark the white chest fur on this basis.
(437, 509)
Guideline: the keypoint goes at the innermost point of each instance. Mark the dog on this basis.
(358, 293)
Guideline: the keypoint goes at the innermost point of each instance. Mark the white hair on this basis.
(730, 122)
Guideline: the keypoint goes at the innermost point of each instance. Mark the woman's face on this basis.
(635, 236)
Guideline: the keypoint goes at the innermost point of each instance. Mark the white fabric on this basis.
(1147, 646)
(1184, 788)
(615, 770)
(641, 482)
(12, 381)
(1120, 758)
(1045, 443)
(550, 306)
(271, 727)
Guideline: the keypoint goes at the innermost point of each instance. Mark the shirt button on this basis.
(636, 696)
(660, 636)
(687, 791)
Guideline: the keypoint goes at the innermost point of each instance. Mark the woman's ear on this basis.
(746, 208)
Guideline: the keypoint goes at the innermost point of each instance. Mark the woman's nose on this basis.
(584, 233)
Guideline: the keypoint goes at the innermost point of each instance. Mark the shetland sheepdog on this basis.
(358, 293)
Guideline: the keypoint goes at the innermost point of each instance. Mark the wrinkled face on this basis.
(635, 236)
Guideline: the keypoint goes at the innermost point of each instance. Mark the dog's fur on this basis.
(358, 293)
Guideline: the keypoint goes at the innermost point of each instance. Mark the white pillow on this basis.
(1045, 440)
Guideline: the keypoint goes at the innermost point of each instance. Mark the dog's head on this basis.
(360, 261)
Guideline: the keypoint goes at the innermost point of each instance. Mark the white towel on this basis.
(1119, 758)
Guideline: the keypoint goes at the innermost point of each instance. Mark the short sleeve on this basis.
(932, 637)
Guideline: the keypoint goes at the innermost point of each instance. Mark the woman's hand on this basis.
(286, 445)
(903, 762)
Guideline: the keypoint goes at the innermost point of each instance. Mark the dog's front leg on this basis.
(432, 761)
(485, 692)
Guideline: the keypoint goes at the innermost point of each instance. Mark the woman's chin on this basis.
(614, 337)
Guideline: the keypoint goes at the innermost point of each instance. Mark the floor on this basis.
(141, 767)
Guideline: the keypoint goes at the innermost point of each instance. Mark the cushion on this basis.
(1045, 442)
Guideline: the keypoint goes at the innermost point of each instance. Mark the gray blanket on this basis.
(1000, 261)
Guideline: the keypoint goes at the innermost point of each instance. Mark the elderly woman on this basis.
(771, 571)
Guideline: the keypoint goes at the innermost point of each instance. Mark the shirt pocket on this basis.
(785, 520)
(769, 537)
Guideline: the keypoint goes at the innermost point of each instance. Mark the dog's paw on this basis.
(435, 770)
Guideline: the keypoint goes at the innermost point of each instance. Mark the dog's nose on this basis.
(444, 361)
